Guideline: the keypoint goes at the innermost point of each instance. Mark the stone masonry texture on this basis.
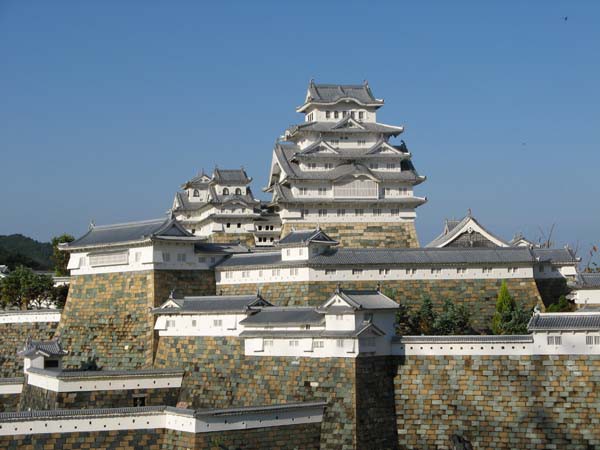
(218, 375)
(364, 234)
(117, 440)
(246, 239)
(501, 402)
(107, 319)
(9, 402)
(479, 295)
(12, 339)
(36, 398)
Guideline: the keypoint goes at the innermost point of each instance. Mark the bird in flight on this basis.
(566, 18)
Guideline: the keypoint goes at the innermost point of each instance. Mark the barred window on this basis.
(109, 259)
(554, 340)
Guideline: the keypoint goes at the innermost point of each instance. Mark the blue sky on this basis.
(107, 107)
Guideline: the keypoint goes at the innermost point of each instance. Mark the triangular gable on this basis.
(171, 303)
(467, 225)
(354, 172)
(348, 122)
(339, 299)
(321, 146)
(259, 301)
(383, 148)
(173, 228)
(370, 330)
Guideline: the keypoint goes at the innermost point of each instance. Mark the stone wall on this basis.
(292, 437)
(551, 289)
(121, 440)
(107, 320)
(12, 339)
(218, 375)
(502, 402)
(36, 398)
(375, 403)
(9, 402)
(364, 234)
(478, 294)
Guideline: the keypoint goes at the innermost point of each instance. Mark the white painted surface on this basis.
(30, 316)
(200, 324)
(55, 384)
(10, 388)
(571, 343)
(301, 347)
(226, 276)
(169, 419)
(159, 255)
(585, 296)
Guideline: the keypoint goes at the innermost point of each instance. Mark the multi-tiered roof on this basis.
(341, 133)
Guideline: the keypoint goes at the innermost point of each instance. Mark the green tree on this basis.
(423, 320)
(562, 305)
(25, 289)
(510, 317)
(454, 319)
(60, 258)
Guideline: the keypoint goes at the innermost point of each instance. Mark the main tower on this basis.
(339, 170)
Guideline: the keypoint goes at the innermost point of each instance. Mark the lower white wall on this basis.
(55, 384)
(30, 316)
(155, 418)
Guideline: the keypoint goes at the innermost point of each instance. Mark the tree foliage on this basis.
(25, 289)
(562, 305)
(453, 319)
(18, 250)
(60, 258)
(510, 317)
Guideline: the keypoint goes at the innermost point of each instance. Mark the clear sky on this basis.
(107, 107)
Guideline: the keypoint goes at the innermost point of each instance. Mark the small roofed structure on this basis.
(580, 321)
(360, 300)
(130, 233)
(467, 232)
(331, 94)
(519, 240)
(301, 245)
(42, 354)
(211, 304)
(585, 289)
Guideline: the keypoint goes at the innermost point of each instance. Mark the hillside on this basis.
(16, 249)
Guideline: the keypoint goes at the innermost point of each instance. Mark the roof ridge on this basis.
(131, 224)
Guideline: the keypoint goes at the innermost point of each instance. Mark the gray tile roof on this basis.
(467, 339)
(257, 409)
(15, 380)
(427, 257)
(367, 299)
(46, 348)
(213, 304)
(129, 232)
(285, 155)
(453, 229)
(555, 255)
(422, 256)
(333, 127)
(332, 93)
(266, 333)
(231, 176)
(587, 321)
(305, 237)
(78, 413)
(289, 315)
(587, 280)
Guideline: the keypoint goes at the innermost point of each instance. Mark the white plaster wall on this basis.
(10, 388)
(305, 348)
(586, 296)
(54, 384)
(165, 419)
(572, 343)
(149, 257)
(30, 317)
(204, 324)
(343, 275)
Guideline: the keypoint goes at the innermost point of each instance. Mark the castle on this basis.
(236, 323)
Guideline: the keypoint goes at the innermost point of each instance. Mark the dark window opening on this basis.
(51, 364)
(139, 401)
